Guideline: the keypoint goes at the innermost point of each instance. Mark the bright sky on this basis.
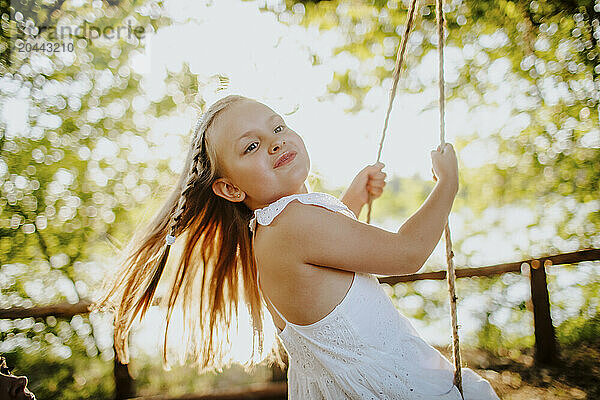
(269, 61)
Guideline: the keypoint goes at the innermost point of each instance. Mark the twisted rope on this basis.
(396, 76)
(451, 275)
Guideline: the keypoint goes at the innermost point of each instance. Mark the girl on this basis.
(244, 211)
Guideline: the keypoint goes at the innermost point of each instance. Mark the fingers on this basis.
(376, 185)
(375, 178)
(447, 146)
(375, 190)
(376, 170)
(376, 182)
(377, 166)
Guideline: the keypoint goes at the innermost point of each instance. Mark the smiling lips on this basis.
(285, 158)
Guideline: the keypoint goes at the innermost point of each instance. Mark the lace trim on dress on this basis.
(265, 216)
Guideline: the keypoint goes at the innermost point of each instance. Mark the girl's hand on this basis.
(445, 165)
(370, 179)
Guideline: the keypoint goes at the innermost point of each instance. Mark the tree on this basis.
(75, 171)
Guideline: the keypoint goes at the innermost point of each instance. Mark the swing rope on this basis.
(451, 274)
(396, 76)
(399, 62)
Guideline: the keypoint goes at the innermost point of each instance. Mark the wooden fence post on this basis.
(545, 339)
(278, 374)
(124, 385)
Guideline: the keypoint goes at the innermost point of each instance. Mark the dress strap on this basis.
(266, 215)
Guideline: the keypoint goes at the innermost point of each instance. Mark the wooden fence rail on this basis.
(262, 391)
(499, 269)
(545, 341)
(64, 310)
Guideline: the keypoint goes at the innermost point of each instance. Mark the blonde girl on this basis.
(252, 231)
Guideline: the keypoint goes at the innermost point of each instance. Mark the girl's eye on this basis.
(249, 147)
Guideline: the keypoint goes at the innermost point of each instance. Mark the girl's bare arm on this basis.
(425, 226)
(315, 235)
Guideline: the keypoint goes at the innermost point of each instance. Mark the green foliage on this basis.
(63, 182)
(489, 336)
(579, 330)
(60, 362)
(495, 340)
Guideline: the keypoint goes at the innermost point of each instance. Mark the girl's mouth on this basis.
(285, 158)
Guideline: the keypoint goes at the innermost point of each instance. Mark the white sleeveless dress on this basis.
(364, 348)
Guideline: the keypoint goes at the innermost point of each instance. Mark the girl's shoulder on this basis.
(266, 215)
(322, 237)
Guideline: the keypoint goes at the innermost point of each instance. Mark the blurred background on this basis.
(97, 102)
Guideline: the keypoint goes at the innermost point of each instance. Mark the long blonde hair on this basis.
(217, 241)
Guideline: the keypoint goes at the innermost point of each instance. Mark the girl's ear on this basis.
(222, 187)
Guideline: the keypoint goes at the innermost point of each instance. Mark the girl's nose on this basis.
(277, 145)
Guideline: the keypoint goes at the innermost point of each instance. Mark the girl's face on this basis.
(249, 139)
